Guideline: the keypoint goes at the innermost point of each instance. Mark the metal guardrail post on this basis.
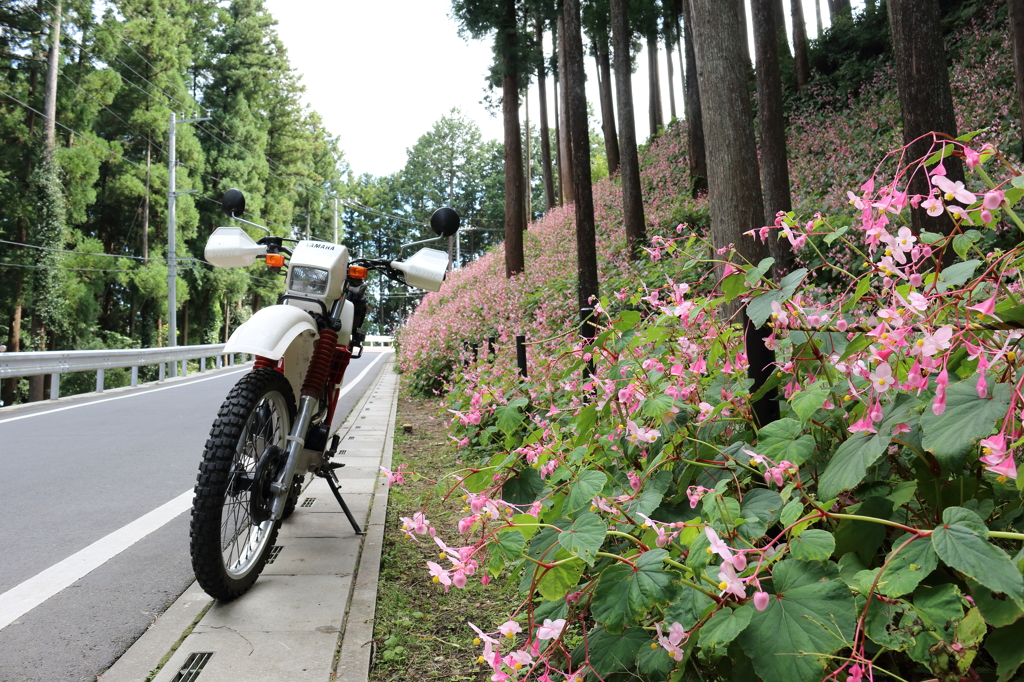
(99, 380)
(54, 386)
(202, 365)
(161, 377)
(135, 376)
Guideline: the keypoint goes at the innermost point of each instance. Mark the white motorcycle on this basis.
(263, 441)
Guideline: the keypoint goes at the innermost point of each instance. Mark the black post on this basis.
(521, 354)
(490, 348)
(588, 330)
(475, 347)
(761, 365)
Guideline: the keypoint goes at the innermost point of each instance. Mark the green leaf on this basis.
(962, 544)
(1004, 645)
(526, 524)
(522, 487)
(962, 244)
(508, 417)
(956, 275)
(584, 537)
(511, 543)
(783, 439)
(967, 137)
(556, 582)
(906, 570)
(725, 626)
(658, 405)
(952, 435)
(611, 653)
(806, 403)
(480, 480)
(998, 611)
(849, 465)
(688, 607)
(755, 274)
(585, 424)
(791, 281)
(588, 484)
(864, 537)
(812, 545)
(654, 664)
(760, 307)
(863, 286)
(879, 624)
(812, 613)
(760, 509)
(624, 595)
(1018, 181)
(733, 286)
(839, 232)
(791, 512)
(931, 237)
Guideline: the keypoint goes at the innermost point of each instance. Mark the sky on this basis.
(381, 74)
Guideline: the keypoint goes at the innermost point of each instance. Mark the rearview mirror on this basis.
(233, 203)
(231, 247)
(445, 222)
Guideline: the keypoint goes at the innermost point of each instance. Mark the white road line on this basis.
(122, 397)
(348, 387)
(21, 599)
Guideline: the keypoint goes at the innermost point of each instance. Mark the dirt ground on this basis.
(421, 631)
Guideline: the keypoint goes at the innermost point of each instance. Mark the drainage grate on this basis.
(342, 452)
(194, 665)
(308, 502)
(275, 550)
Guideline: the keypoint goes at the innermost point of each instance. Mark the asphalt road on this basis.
(73, 476)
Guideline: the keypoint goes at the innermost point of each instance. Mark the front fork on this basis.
(312, 388)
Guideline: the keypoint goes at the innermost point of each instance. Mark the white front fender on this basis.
(270, 331)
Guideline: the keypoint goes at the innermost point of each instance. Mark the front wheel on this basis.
(231, 531)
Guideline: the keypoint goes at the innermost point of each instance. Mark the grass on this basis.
(420, 631)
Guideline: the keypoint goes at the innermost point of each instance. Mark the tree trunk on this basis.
(654, 80)
(803, 65)
(586, 242)
(632, 199)
(36, 390)
(515, 222)
(1016, 8)
(922, 80)
(611, 138)
(558, 117)
(841, 8)
(817, 16)
(741, 9)
(564, 146)
(780, 27)
(52, 67)
(545, 141)
(771, 120)
(734, 198)
(694, 117)
(671, 78)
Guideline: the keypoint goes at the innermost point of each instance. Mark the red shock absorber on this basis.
(320, 364)
(262, 362)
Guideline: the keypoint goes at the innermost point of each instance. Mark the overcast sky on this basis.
(380, 74)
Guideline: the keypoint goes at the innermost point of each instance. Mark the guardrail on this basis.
(59, 362)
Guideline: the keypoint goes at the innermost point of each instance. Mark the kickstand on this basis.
(332, 481)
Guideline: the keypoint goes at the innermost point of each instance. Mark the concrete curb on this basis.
(286, 621)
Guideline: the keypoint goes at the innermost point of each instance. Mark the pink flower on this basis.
(882, 378)
(731, 583)
(394, 477)
(509, 628)
(1007, 467)
(639, 433)
(695, 493)
(716, 545)
(953, 190)
(672, 647)
(988, 308)
(993, 446)
(863, 425)
(939, 406)
(760, 600)
(439, 574)
(551, 629)
(993, 199)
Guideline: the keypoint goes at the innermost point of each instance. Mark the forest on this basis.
(84, 248)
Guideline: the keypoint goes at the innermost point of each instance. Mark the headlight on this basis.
(308, 281)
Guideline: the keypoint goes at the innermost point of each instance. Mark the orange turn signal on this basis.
(357, 272)
(275, 260)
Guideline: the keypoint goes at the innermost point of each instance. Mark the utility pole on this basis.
(172, 254)
(334, 220)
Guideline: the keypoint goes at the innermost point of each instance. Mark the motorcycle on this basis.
(264, 441)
